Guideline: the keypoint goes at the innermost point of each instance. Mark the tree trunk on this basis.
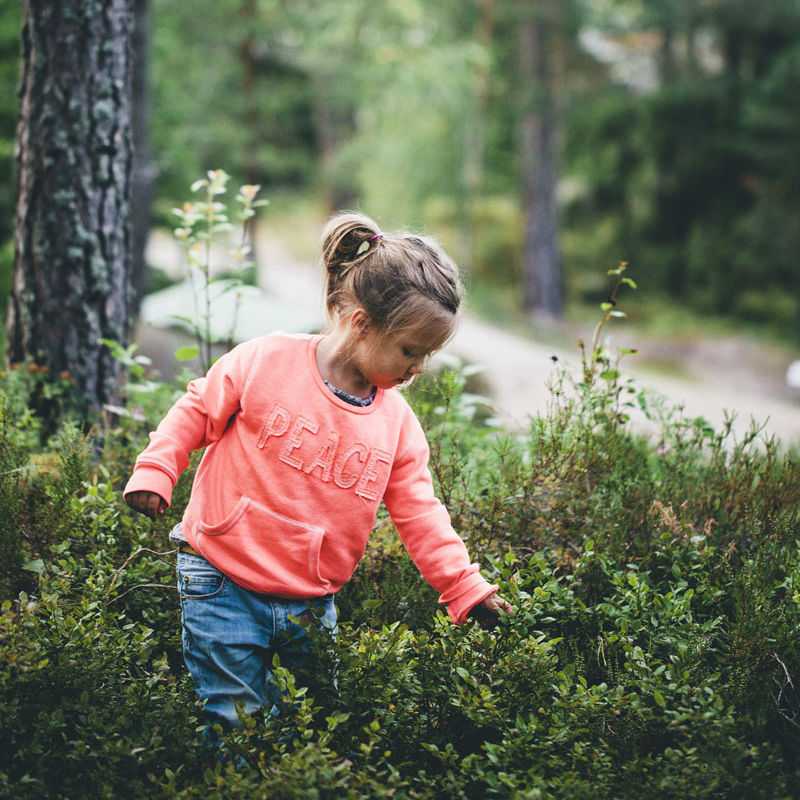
(541, 258)
(72, 260)
(475, 139)
(335, 125)
(143, 168)
(250, 116)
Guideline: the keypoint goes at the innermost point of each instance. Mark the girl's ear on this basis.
(359, 323)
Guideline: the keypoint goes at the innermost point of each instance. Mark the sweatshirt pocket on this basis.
(265, 551)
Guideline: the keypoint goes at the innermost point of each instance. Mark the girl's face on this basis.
(390, 359)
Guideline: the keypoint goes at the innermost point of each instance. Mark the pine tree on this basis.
(72, 260)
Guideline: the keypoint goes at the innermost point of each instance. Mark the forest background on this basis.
(675, 129)
(656, 578)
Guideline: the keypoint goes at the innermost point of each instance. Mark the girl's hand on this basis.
(148, 503)
(489, 610)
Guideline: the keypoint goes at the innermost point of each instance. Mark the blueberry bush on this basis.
(653, 652)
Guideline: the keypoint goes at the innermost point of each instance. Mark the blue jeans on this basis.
(230, 635)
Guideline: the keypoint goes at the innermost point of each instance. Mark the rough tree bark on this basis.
(143, 168)
(541, 258)
(73, 157)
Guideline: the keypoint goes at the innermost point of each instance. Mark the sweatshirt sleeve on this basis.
(196, 420)
(424, 526)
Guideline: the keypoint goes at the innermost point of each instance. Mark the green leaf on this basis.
(187, 353)
(36, 565)
(659, 698)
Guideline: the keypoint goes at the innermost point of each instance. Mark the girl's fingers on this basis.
(148, 503)
(488, 612)
(506, 606)
(152, 505)
(495, 603)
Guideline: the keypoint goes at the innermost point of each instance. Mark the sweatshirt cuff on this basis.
(150, 479)
(478, 591)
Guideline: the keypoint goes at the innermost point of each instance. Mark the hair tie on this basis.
(364, 246)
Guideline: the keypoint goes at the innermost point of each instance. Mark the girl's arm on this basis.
(197, 419)
(424, 526)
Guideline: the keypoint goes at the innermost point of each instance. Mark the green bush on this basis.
(652, 654)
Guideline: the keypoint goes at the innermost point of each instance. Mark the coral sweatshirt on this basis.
(286, 493)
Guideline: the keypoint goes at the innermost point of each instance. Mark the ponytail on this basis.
(394, 279)
(347, 239)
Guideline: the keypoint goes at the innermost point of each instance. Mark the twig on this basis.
(142, 586)
(128, 561)
(781, 689)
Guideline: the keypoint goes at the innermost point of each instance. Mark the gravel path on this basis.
(729, 375)
(518, 370)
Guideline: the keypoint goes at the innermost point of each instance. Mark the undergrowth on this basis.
(653, 652)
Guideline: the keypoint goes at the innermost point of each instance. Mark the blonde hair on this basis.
(397, 280)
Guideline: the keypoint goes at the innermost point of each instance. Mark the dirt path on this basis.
(724, 375)
(518, 370)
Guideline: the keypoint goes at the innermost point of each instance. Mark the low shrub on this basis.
(652, 654)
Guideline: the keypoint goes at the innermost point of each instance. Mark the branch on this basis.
(787, 682)
(128, 561)
(142, 586)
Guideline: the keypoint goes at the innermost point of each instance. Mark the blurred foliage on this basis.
(207, 111)
(696, 175)
(10, 23)
(679, 130)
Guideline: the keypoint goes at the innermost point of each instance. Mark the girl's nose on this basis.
(417, 367)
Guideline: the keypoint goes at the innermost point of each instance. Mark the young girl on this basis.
(304, 437)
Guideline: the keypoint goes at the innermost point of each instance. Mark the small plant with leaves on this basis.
(599, 364)
(203, 224)
(600, 356)
(145, 397)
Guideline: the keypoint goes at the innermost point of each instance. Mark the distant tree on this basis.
(242, 101)
(541, 264)
(686, 161)
(72, 260)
